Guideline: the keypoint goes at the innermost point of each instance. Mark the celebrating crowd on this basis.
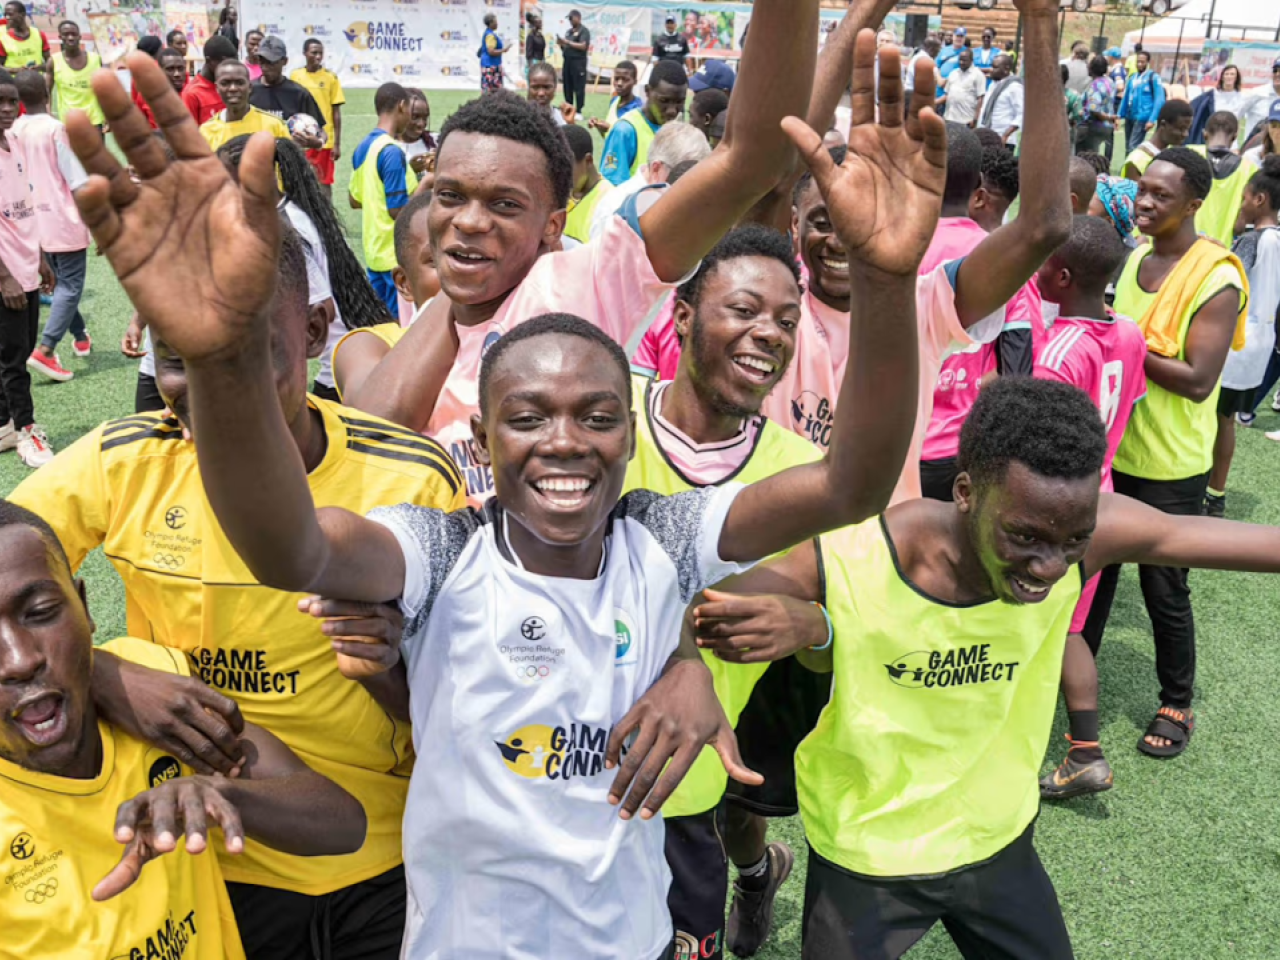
(497, 641)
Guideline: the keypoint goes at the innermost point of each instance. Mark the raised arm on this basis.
(1000, 265)
(884, 203)
(774, 82)
(199, 257)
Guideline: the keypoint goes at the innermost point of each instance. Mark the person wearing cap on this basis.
(626, 149)
(949, 56)
(576, 44)
(276, 94)
(1269, 146)
(714, 75)
(200, 96)
(1117, 72)
(671, 45)
(985, 55)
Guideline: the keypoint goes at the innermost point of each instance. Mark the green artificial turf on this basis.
(1181, 859)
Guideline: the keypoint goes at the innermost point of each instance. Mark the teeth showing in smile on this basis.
(835, 266)
(755, 363)
(470, 257)
(46, 724)
(1035, 591)
(564, 491)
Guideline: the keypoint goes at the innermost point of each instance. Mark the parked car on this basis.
(1079, 6)
(1160, 8)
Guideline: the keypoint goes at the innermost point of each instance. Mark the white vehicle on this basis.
(1160, 8)
(1079, 6)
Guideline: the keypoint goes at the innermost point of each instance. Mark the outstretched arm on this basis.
(199, 256)
(1002, 264)
(774, 82)
(884, 203)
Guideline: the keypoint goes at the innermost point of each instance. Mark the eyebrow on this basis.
(533, 396)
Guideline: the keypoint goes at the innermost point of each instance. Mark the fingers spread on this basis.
(193, 820)
(891, 87)
(862, 95)
(93, 200)
(129, 127)
(933, 131)
(809, 145)
(631, 765)
(669, 779)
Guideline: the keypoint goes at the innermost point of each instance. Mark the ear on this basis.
(632, 418)
(481, 437)
(554, 229)
(319, 316)
(795, 229)
(962, 493)
(683, 318)
(83, 592)
(401, 280)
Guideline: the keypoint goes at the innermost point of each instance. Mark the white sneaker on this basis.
(1275, 402)
(8, 437)
(1273, 435)
(33, 446)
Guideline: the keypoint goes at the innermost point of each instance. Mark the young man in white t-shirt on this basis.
(511, 846)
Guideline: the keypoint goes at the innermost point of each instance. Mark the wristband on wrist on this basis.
(831, 630)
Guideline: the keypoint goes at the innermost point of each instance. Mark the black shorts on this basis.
(1004, 908)
(938, 478)
(364, 921)
(699, 883)
(146, 396)
(1231, 402)
(783, 709)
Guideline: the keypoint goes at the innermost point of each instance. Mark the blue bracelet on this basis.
(831, 630)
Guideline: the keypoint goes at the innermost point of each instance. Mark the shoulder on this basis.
(142, 435)
(787, 447)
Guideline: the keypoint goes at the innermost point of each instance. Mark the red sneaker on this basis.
(82, 348)
(48, 366)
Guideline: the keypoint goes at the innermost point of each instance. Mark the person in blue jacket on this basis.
(1143, 98)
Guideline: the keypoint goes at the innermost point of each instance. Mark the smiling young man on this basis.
(133, 487)
(76, 788)
(587, 589)
(238, 117)
(626, 149)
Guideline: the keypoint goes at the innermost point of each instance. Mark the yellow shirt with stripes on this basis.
(326, 89)
(59, 841)
(388, 333)
(218, 130)
(133, 487)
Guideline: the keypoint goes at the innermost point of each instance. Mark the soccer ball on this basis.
(305, 124)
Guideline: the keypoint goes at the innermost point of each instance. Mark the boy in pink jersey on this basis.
(54, 172)
(1103, 354)
(23, 272)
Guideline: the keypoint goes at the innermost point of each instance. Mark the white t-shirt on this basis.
(964, 89)
(317, 284)
(1246, 368)
(1007, 111)
(511, 847)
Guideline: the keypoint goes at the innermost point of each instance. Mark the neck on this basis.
(1089, 306)
(1268, 219)
(87, 762)
(314, 67)
(37, 109)
(239, 112)
(578, 561)
(955, 209)
(387, 124)
(588, 184)
(1176, 243)
(689, 413)
(969, 578)
(474, 314)
(307, 428)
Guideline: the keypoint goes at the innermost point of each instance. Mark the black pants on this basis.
(146, 396)
(699, 883)
(1164, 590)
(575, 82)
(1003, 909)
(17, 339)
(364, 921)
(938, 478)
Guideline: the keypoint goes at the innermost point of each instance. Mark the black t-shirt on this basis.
(284, 100)
(535, 46)
(672, 47)
(581, 35)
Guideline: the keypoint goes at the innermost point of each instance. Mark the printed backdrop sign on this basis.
(431, 44)
(617, 33)
(1253, 59)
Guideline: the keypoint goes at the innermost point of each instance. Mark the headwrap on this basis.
(1117, 196)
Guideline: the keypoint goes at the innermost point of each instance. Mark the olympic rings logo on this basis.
(168, 561)
(42, 892)
(532, 673)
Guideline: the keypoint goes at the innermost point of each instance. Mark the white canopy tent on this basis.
(1186, 28)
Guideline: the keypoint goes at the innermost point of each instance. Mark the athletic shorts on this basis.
(783, 709)
(937, 478)
(699, 883)
(1083, 604)
(1004, 908)
(322, 161)
(364, 921)
(1231, 402)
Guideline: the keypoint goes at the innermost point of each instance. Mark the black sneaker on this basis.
(1214, 506)
(751, 916)
(1079, 774)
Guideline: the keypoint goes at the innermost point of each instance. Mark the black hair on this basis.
(1065, 73)
(1093, 253)
(542, 66)
(170, 52)
(500, 113)
(964, 166)
(1000, 172)
(168, 37)
(837, 157)
(667, 71)
(579, 140)
(402, 229)
(359, 305)
(1224, 121)
(1137, 49)
(1082, 179)
(150, 46)
(31, 87)
(1097, 66)
(751, 240)
(561, 324)
(13, 515)
(1267, 181)
(1223, 76)
(1197, 172)
(255, 33)
(626, 65)
(1101, 165)
(679, 170)
(1052, 428)
(232, 62)
(1173, 111)
(388, 97)
(219, 47)
(311, 42)
(63, 23)
(6, 79)
(710, 102)
(990, 139)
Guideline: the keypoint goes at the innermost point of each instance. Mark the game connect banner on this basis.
(420, 43)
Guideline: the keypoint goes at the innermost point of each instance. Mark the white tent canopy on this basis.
(1192, 22)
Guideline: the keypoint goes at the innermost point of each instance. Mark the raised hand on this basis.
(195, 252)
(884, 200)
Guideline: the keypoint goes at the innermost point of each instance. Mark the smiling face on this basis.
(233, 87)
(1028, 531)
(16, 14)
(666, 101)
(491, 215)
(825, 257)
(558, 433)
(69, 34)
(419, 120)
(1164, 203)
(742, 334)
(47, 721)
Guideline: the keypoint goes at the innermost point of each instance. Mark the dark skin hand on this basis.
(368, 632)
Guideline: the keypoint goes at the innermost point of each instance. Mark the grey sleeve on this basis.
(432, 542)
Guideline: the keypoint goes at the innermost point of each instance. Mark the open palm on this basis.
(195, 252)
(885, 198)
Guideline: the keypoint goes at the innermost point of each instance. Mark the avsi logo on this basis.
(955, 668)
(22, 847)
(813, 418)
(175, 518)
(164, 769)
(538, 752)
(623, 635)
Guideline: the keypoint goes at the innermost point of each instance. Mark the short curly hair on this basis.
(1000, 172)
(503, 114)
(1052, 428)
(751, 240)
(1197, 173)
